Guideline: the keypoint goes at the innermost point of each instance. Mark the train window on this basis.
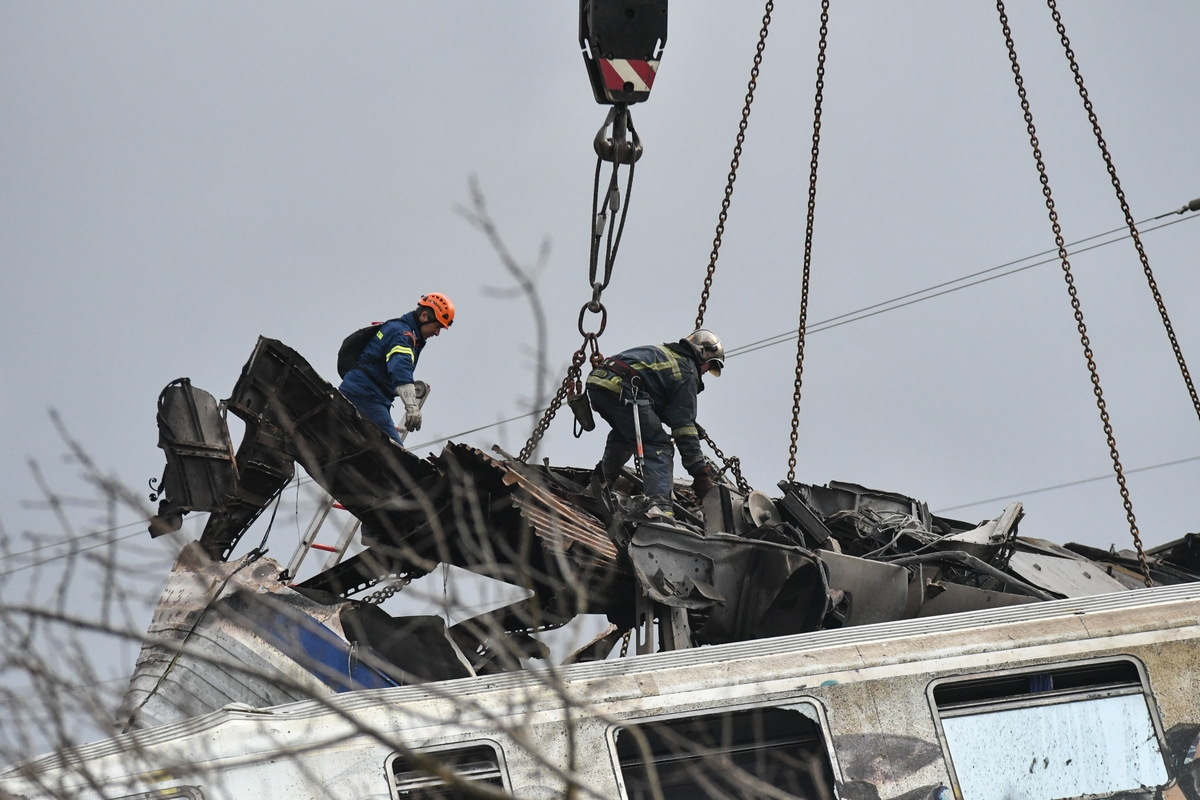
(479, 763)
(733, 754)
(1063, 731)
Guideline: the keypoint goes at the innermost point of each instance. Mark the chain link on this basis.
(1133, 231)
(384, 594)
(733, 464)
(1070, 280)
(808, 237)
(572, 383)
(625, 642)
(733, 164)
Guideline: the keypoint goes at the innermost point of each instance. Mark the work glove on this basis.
(702, 482)
(407, 393)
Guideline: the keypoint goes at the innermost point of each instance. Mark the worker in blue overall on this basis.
(385, 367)
(660, 383)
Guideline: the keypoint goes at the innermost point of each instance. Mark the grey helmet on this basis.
(708, 349)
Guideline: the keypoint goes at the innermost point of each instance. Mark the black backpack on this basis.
(353, 345)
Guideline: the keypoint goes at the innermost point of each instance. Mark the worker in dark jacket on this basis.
(661, 382)
(385, 367)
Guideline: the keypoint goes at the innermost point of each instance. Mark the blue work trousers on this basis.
(659, 451)
(372, 407)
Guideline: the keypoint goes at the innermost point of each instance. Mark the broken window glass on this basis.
(1075, 731)
(480, 763)
(733, 754)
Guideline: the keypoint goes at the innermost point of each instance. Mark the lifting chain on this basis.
(808, 237)
(384, 594)
(1133, 231)
(733, 164)
(623, 147)
(1070, 280)
(572, 384)
(625, 642)
(732, 464)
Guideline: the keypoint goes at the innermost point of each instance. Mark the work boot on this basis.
(658, 511)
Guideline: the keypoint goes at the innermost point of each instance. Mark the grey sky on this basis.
(178, 178)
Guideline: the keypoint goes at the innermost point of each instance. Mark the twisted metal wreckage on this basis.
(732, 568)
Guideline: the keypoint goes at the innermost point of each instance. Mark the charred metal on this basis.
(734, 567)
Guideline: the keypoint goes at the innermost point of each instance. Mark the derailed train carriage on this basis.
(832, 641)
(1092, 697)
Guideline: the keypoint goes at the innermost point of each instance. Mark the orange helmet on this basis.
(440, 305)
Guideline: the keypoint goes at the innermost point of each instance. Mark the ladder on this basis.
(337, 551)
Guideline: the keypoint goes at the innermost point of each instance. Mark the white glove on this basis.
(412, 412)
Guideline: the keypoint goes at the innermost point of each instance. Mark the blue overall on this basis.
(668, 380)
(386, 362)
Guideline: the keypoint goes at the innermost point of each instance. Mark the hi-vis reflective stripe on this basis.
(619, 71)
(686, 430)
(609, 380)
(398, 349)
(672, 363)
(378, 334)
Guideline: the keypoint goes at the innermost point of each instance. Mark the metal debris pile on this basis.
(736, 566)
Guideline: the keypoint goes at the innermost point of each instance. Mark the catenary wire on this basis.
(954, 280)
(920, 294)
(826, 324)
(1067, 485)
(33, 564)
(70, 539)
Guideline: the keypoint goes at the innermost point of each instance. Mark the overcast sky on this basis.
(177, 179)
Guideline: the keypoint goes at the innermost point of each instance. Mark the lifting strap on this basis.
(1070, 281)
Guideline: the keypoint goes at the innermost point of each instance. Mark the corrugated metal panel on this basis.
(552, 519)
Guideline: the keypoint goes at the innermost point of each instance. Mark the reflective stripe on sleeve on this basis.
(398, 349)
(686, 430)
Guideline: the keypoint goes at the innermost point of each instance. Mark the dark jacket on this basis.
(389, 359)
(669, 374)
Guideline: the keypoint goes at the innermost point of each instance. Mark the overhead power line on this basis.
(70, 539)
(33, 564)
(1105, 477)
(920, 295)
(946, 287)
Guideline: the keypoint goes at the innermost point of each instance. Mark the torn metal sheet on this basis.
(376, 479)
(234, 633)
(953, 598)
(200, 473)
(265, 466)
(1069, 577)
(558, 523)
(877, 592)
(749, 588)
(985, 540)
